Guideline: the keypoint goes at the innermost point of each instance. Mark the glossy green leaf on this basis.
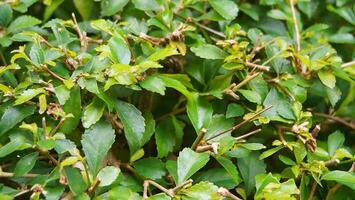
(209, 51)
(226, 8)
(22, 22)
(93, 112)
(189, 162)
(342, 177)
(96, 142)
(151, 168)
(14, 115)
(25, 164)
(108, 175)
(133, 123)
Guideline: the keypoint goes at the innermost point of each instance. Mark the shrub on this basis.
(177, 99)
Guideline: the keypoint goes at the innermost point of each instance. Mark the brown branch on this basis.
(82, 35)
(260, 67)
(245, 81)
(336, 119)
(146, 184)
(295, 23)
(224, 192)
(176, 188)
(240, 124)
(313, 190)
(199, 138)
(45, 68)
(248, 134)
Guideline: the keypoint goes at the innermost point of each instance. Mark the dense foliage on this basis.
(177, 99)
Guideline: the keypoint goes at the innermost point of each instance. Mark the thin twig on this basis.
(176, 188)
(82, 35)
(224, 192)
(245, 81)
(295, 23)
(248, 134)
(161, 188)
(60, 123)
(199, 138)
(45, 68)
(337, 119)
(10, 175)
(240, 124)
(260, 67)
(348, 64)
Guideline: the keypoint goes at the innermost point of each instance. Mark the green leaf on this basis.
(335, 141)
(73, 106)
(13, 116)
(209, 51)
(269, 152)
(168, 135)
(327, 77)
(133, 123)
(249, 167)
(154, 84)
(51, 9)
(5, 14)
(25, 164)
(150, 168)
(253, 146)
(234, 110)
(96, 142)
(108, 175)
(146, 5)
(161, 54)
(120, 52)
(22, 22)
(10, 147)
(251, 95)
(231, 169)
(93, 112)
(334, 95)
(111, 7)
(342, 177)
(199, 111)
(28, 95)
(217, 176)
(189, 162)
(160, 196)
(75, 181)
(62, 93)
(84, 7)
(202, 190)
(287, 160)
(226, 8)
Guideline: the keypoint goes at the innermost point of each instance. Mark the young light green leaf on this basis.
(161, 54)
(269, 152)
(84, 7)
(189, 162)
(96, 143)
